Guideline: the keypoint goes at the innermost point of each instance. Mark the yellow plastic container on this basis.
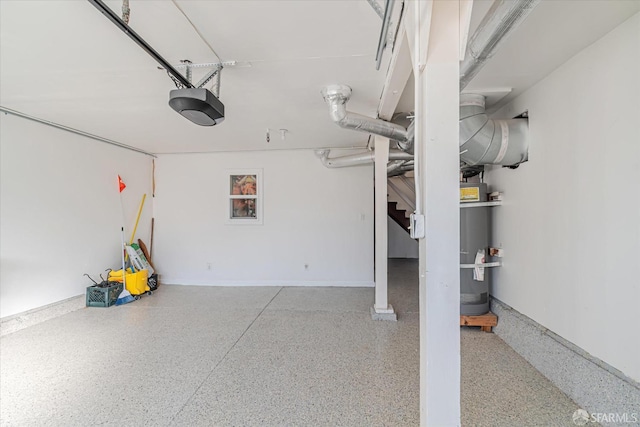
(136, 282)
(115, 276)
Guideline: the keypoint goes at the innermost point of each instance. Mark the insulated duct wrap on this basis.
(399, 167)
(357, 159)
(501, 20)
(394, 165)
(336, 96)
(406, 120)
(485, 141)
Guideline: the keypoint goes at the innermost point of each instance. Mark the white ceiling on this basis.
(63, 61)
(555, 31)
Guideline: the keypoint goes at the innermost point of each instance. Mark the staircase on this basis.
(398, 215)
(401, 199)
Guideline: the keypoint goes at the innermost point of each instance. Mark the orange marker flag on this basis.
(121, 184)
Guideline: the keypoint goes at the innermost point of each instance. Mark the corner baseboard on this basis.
(286, 283)
(25, 319)
(590, 382)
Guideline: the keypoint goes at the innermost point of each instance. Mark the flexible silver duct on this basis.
(396, 169)
(336, 96)
(405, 120)
(502, 18)
(357, 159)
(488, 141)
(395, 165)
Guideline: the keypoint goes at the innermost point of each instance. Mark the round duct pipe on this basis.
(357, 159)
(485, 141)
(501, 20)
(406, 120)
(336, 96)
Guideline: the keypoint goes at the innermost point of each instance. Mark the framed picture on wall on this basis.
(244, 196)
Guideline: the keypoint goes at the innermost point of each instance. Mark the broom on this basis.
(125, 296)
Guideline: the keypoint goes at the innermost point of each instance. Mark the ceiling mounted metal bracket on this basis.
(216, 90)
(187, 65)
(216, 71)
(207, 78)
(226, 64)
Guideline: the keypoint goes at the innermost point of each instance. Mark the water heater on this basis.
(475, 221)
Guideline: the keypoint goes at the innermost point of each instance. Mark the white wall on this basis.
(312, 215)
(570, 225)
(400, 245)
(60, 213)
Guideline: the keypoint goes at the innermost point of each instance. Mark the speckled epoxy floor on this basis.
(256, 356)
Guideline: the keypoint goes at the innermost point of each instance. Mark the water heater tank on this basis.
(474, 236)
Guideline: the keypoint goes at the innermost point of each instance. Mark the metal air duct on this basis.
(336, 96)
(399, 167)
(357, 159)
(503, 17)
(488, 141)
(405, 119)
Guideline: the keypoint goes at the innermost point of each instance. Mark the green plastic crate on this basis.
(103, 297)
